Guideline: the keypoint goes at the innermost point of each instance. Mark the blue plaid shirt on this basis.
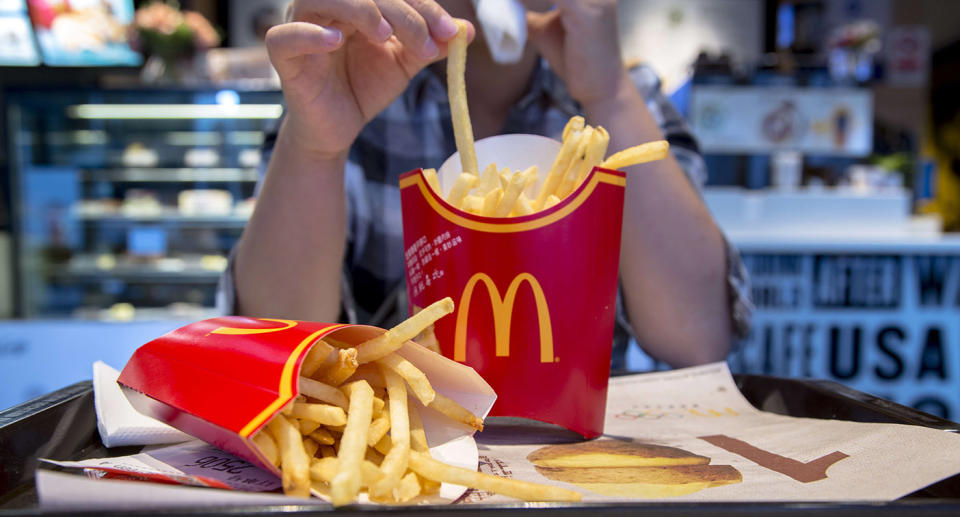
(416, 131)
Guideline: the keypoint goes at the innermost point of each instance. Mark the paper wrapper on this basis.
(535, 295)
(222, 379)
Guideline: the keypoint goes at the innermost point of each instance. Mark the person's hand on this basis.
(341, 62)
(579, 40)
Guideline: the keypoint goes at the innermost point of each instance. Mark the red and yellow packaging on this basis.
(222, 379)
(535, 295)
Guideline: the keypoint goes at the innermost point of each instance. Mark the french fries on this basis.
(341, 369)
(583, 148)
(322, 413)
(320, 355)
(395, 461)
(457, 91)
(391, 340)
(268, 447)
(430, 468)
(362, 431)
(647, 152)
(294, 462)
(353, 445)
(418, 382)
(320, 391)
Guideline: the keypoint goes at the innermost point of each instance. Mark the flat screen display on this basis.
(17, 46)
(83, 32)
(13, 6)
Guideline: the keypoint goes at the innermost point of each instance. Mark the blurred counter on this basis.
(40, 356)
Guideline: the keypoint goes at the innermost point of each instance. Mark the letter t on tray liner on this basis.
(535, 295)
(222, 379)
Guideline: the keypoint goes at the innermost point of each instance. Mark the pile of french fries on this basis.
(355, 426)
(506, 193)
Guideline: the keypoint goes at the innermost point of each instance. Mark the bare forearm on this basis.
(672, 261)
(289, 258)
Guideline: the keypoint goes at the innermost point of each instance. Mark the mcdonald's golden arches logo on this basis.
(503, 316)
(235, 331)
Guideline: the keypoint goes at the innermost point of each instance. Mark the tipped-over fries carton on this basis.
(223, 379)
(535, 295)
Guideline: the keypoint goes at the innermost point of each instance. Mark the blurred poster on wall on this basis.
(83, 32)
(17, 47)
(818, 121)
(908, 55)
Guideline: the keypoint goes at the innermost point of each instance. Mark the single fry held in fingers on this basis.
(457, 91)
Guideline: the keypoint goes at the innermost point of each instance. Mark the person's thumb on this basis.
(545, 32)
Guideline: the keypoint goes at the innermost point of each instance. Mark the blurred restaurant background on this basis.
(130, 142)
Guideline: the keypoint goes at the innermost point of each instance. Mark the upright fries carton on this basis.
(535, 295)
(222, 379)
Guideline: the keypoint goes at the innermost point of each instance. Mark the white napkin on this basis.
(504, 24)
(119, 423)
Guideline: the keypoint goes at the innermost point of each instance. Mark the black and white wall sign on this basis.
(884, 324)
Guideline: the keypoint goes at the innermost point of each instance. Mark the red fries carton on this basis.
(535, 295)
(222, 379)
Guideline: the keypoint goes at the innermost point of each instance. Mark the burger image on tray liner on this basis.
(631, 469)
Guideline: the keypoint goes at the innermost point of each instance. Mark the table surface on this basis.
(63, 425)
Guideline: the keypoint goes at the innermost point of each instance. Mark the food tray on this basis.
(62, 425)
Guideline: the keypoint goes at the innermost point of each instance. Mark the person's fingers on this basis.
(288, 41)
(471, 34)
(441, 24)
(362, 15)
(546, 32)
(409, 27)
(413, 63)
